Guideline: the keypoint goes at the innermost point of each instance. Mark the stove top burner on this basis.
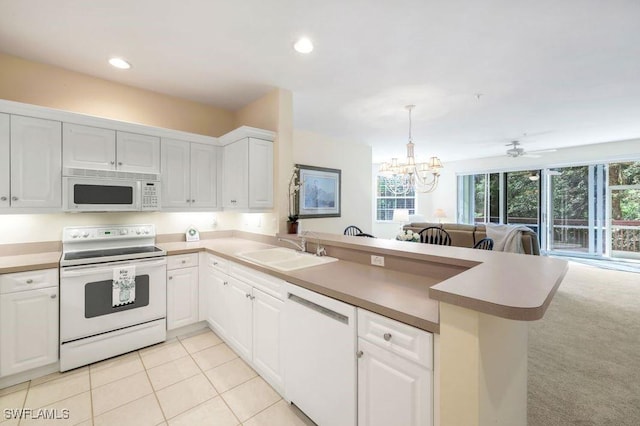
(99, 254)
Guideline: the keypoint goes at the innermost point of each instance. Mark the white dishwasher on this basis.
(320, 356)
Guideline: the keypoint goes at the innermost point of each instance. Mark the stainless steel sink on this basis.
(285, 259)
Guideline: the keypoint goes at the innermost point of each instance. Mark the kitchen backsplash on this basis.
(24, 228)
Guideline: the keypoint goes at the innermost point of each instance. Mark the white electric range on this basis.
(112, 292)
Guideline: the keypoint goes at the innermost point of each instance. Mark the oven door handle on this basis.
(78, 271)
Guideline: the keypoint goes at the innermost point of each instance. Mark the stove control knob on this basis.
(146, 230)
(85, 234)
(138, 231)
(75, 234)
(123, 232)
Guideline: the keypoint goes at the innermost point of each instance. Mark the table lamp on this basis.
(401, 216)
(440, 214)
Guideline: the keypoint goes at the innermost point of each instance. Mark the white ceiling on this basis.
(564, 72)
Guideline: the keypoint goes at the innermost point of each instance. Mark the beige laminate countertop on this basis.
(29, 262)
(401, 296)
(507, 285)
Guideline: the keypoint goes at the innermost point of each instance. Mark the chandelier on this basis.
(405, 177)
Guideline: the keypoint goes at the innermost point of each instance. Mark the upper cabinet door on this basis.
(260, 174)
(235, 184)
(4, 160)
(137, 153)
(86, 147)
(36, 162)
(204, 179)
(175, 174)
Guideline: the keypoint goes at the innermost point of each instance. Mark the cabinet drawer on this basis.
(31, 280)
(217, 263)
(268, 284)
(407, 341)
(182, 261)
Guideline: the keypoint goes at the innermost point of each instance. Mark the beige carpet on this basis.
(584, 355)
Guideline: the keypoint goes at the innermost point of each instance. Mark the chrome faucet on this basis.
(320, 251)
(302, 245)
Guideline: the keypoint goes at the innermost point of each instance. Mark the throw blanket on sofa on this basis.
(506, 237)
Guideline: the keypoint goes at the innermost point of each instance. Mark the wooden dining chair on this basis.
(435, 235)
(363, 234)
(352, 230)
(484, 244)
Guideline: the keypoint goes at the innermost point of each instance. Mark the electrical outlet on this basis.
(377, 260)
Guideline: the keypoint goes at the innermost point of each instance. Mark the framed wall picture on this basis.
(319, 192)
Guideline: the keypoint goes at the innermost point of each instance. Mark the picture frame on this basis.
(320, 192)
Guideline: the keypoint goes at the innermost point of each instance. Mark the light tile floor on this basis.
(192, 380)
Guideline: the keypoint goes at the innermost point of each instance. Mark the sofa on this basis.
(463, 235)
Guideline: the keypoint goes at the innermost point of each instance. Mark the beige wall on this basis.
(54, 87)
(354, 160)
(274, 112)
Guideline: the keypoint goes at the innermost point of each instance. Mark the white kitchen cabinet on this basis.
(28, 320)
(212, 292)
(244, 307)
(36, 172)
(391, 389)
(204, 178)
(238, 298)
(395, 372)
(189, 175)
(248, 174)
(267, 320)
(182, 290)
(137, 153)
(5, 160)
(87, 147)
(260, 174)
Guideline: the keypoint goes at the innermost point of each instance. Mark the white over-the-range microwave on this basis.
(86, 190)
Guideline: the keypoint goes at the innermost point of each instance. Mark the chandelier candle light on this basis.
(421, 177)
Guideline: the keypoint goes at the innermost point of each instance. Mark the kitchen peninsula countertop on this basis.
(397, 295)
(506, 285)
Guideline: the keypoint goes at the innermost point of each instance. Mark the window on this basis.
(387, 201)
(590, 210)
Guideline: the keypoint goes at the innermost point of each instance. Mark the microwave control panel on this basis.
(150, 195)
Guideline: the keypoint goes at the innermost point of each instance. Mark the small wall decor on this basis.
(319, 194)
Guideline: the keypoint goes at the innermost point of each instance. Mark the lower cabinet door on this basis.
(182, 297)
(391, 389)
(267, 355)
(239, 311)
(216, 306)
(28, 330)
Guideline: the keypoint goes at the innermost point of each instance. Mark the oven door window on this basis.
(97, 297)
(102, 194)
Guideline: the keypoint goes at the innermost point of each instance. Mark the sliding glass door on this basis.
(624, 210)
(588, 210)
(522, 198)
(568, 210)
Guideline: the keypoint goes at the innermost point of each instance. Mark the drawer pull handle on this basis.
(53, 296)
(215, 263)
(184, 261)
(387, 336)
(225, 282)
(170, 278)
(3, 198)
(359, 354)
(29, 281)
(248, 296)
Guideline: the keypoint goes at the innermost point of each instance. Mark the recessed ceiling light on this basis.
(303, 45)
(120, 63)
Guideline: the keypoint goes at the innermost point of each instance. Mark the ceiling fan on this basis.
(517, 151)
